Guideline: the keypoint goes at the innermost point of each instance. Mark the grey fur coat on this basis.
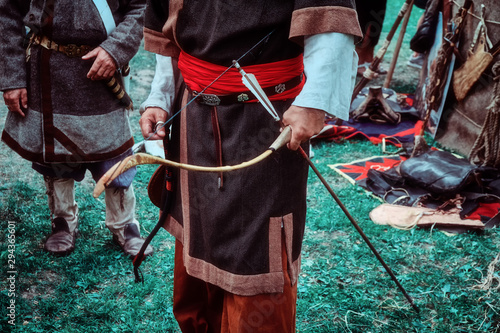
(69, 118)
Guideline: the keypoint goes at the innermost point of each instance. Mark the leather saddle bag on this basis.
(439, 172)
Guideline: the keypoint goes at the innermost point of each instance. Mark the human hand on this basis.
(150, 120)
(104, 66)
(16, 100)
(305, 122)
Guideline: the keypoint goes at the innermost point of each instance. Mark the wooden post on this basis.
(390, 71)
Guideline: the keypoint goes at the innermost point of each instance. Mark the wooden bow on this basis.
(141, 158)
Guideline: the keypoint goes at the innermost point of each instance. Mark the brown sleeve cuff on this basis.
(156, 42)
(316, 20)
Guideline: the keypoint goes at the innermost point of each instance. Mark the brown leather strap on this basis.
(70, 50)
(218, 143)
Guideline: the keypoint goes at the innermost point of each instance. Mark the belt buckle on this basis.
(208, 99)
(73, 50)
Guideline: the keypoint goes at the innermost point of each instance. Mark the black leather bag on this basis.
(440, 172)
(390, 186)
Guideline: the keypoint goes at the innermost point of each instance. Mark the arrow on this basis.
(253, 85)
(250, 81)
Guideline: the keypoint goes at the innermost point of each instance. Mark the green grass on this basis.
(342, 287)
(93, 289)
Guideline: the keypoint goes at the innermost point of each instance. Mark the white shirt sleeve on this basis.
(330, 65)
(162, 87)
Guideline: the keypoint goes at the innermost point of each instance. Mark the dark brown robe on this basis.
(232, 234)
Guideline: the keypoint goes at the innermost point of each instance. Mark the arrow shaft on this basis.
(358, 229)
(265, 101)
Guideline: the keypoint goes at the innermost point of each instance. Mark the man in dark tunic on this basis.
(62, 116)
(239, 234)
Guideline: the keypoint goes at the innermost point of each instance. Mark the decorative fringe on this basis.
(486, 149)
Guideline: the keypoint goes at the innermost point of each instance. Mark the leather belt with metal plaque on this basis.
(214, 100)
(70, 50)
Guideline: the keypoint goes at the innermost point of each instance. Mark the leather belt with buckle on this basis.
(214, 100)
(70, 50)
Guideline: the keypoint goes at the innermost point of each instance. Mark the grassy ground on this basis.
(342, 287)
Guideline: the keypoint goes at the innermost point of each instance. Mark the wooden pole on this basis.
(369, 73)
(402, 32)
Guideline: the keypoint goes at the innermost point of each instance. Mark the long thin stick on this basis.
(397, 48)
(262, 97)
(358, 228)
(369, 73)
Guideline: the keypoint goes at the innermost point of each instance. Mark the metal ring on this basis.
(158, 125)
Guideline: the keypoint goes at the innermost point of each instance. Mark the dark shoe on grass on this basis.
(133, 241)
(61, 242)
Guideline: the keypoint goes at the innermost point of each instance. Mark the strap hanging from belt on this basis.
(218, 143)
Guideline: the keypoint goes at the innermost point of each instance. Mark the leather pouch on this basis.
(156, 185)
(439, 172)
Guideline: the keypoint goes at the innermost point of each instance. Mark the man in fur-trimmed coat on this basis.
(62, 116)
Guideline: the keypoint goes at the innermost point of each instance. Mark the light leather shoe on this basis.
(61, 242)
(133, 241)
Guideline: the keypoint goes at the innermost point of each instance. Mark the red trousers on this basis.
(203, 307)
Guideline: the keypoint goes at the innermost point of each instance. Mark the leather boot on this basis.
(133, 241)
(120, 220)
(64, 214)
(61, 241)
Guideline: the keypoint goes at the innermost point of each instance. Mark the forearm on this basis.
(157, 106)
(123, 43)
(330, 63)
(162, 87)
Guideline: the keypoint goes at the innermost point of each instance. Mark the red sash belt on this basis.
(198, 74)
